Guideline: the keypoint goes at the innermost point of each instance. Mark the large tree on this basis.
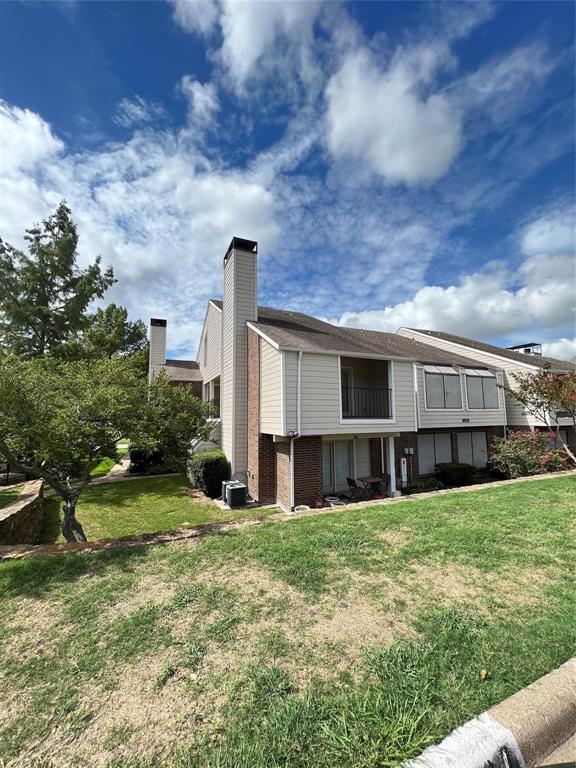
(44, 295)
(107, 333)
(548, 395)
(57, 416)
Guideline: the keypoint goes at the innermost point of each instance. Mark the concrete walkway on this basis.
(14, 552)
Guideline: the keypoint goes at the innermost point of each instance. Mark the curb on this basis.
(534, 725)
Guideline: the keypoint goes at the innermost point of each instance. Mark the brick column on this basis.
(307, 472)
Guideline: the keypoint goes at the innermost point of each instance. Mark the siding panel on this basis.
(270, 389)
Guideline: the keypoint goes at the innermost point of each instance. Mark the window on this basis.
(433, 449)
(481, 389)
(472, 448)
(337, 464)
(443, 388)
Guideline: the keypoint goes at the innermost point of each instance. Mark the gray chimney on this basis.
(157, 345)
(239, 308)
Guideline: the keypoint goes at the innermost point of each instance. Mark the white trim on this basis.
(292, 494)
(270, 341)
(481, 410)
(216, 306)
(416, 400)
(283, 391)
(464, 346)
(391, 464)
(299, 395)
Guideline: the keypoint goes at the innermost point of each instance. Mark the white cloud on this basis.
(26, 140)
(196, 15)
(153, 207)
(202, 101)
(496, 302)
(387, 119)
(252, 32)
(561, 349)
(137, 111)
(553, 232)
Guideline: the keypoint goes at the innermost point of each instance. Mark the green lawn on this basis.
(8, 495)
(147, 505)
(351, 639)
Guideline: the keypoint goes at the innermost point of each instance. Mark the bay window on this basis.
(443, 388)
(481, 389)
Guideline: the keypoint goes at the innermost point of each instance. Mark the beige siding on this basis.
(441, 417)
(291, 390)
(239, 308)
(321, 412)
(515, 414)
(212, 331)
(270, 389)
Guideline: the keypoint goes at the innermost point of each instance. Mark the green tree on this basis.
(57, 416)
(548, 396)
(108, 332)
(44, 295)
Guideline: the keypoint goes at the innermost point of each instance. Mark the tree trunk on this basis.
(71, 528)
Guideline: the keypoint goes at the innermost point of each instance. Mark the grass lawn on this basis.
(8, 495)
(113, 510)
(352, 639)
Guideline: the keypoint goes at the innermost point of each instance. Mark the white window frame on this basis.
(439, 409)
(481, 376)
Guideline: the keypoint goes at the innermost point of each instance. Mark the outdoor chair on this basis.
(357, 493)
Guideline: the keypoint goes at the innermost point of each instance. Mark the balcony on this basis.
(366, 403)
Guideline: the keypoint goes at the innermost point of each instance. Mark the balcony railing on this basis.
(366, 403)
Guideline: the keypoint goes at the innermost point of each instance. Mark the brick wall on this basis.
(410, 440)
(307, 471)
(261, 453)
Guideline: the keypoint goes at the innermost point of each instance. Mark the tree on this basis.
(44, 295)
(546, 395)
(57, 416)
(174, 418)
(108, 332)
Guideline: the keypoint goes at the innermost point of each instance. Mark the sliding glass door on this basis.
(337, 464)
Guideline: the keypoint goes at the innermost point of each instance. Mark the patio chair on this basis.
(357, 493)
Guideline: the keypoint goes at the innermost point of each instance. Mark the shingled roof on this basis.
(181, 370)
(539, 361)
(295, 330)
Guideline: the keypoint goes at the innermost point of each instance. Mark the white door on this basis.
(342, 464)
(472, 448)
(426, 455)
(465, 454)
(479, 449)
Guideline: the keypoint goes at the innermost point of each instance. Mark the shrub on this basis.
(207, 470)
(527, 453)
(425, 484)
(148, 461)
(452, 473)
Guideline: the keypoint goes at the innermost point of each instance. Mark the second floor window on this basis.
(443, 388)
(481, 390)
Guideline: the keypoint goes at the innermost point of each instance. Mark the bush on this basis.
(451, 473)
(527, 453)
(148, 461)
(207, 470)
(425, 484)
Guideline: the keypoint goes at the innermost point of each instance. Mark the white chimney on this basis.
(157, 345)
(239, 308)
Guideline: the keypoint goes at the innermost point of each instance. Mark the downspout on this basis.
(295, 436)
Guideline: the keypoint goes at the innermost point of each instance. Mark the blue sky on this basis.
(399, 163)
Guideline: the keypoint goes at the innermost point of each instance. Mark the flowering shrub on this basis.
(527, 453)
